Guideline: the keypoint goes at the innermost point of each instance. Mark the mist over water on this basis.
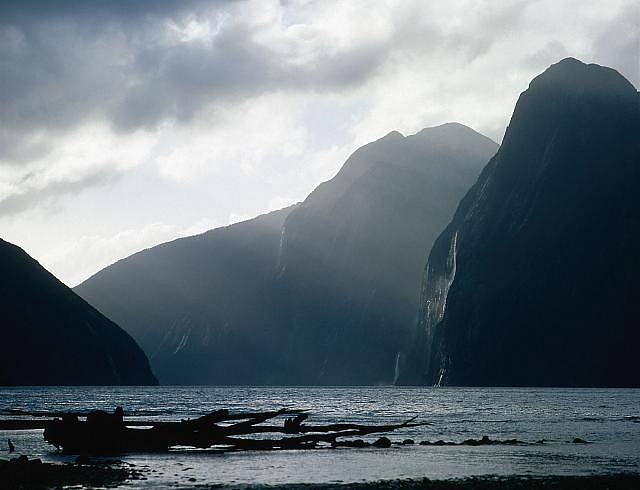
(607, 418)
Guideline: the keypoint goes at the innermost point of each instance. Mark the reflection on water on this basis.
(608, 419)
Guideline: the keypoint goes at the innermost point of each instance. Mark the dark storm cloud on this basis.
(62, 62)
(116, 61)
(121, 9)
(135, 64)
(176, 81)
(123, 62)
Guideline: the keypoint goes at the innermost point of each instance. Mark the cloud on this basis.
(87, 157)
(138, 64)
(618, 44)
(254, 137)
(95, 62)
(121, 114)
(31, 192)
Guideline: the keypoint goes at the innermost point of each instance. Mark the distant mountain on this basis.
(353, 252)
(535, 281)
(50, 336)
(324, 292)
(201, 306)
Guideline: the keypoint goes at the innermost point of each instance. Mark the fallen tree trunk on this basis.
(103, 433)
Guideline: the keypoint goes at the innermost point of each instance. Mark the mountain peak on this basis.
(393, 134)
(449, 128)
(452, 134)
(570, 74)
(567, 92)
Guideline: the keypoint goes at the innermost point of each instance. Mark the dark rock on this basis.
(408, 442)
(382, 442)
(485, 441)
(577, 440)
(511, 442)
(83, 459)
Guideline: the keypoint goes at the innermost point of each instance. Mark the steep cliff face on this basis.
(534, 280)
(200, 306)
(50, 336)
(323, 293)
(353, 253)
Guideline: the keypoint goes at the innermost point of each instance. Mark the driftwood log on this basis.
(104, 433)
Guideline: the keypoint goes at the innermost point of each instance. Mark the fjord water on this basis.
(609, 419)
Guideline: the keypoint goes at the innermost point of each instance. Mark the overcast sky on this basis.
(128, 123)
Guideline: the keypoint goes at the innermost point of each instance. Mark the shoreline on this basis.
(24, 473)
(617, 481)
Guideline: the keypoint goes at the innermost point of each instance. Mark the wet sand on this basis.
(600, 482)
(23, 473)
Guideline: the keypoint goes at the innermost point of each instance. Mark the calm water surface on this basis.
(608, 418)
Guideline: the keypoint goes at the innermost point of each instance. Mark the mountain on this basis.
(353, 253)
(324, 292)
(50, 336)
(534, 282)
(200, 306)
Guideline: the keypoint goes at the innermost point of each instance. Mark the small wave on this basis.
(480, 420)
(13, 411)
(149, 412)
(31, 413)
(81, 413)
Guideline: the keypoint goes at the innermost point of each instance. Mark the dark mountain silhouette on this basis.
(534, 282)
(322, 293)
(51, 336)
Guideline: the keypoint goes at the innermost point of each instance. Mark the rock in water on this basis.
(534, 282)
(51, 336)
(382, 442)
